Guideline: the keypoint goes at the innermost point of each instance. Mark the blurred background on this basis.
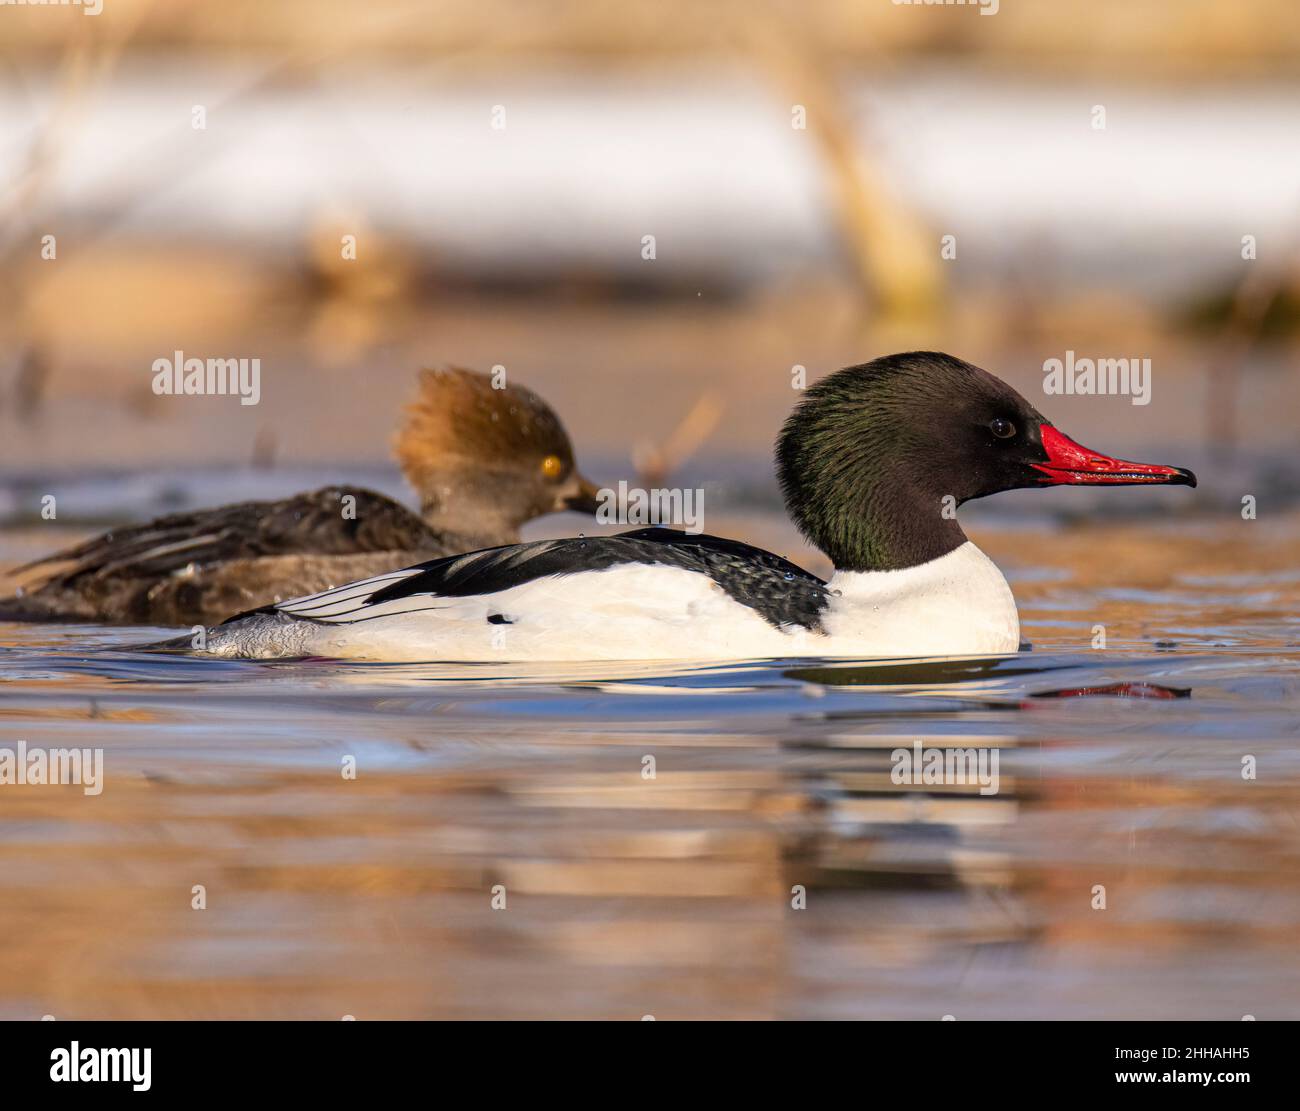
(1096, 163)
(800, 167)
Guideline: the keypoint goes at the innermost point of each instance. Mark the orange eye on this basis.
(552, 466)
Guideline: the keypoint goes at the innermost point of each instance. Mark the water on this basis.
(672, 896)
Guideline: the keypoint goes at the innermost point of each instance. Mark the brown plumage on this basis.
(483, 461)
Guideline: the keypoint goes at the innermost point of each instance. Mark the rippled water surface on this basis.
(772, 867)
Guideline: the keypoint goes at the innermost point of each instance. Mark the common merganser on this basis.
(483, 460)
(871, 463)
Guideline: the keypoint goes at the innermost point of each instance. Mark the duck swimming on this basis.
(483, 460)
(871, 462)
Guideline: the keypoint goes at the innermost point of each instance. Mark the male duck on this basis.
(872, 463)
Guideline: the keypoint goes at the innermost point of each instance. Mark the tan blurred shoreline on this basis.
(619, 373)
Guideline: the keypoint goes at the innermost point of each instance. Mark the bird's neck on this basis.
(880, 527)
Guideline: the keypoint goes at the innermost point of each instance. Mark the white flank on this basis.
(958, 604)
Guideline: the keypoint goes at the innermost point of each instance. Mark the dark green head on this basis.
(876, 457)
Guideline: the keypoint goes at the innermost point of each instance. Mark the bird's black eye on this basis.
(1002, 428)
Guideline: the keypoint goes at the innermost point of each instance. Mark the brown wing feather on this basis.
(243, 584)
(313, 523)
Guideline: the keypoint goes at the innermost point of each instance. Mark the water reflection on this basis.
(727, 841)
(1118, 690)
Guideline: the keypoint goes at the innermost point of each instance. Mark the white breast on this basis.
(956, 605)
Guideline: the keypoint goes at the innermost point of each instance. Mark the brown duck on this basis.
(484, 461)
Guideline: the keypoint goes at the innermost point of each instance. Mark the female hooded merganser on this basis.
(872, 463)
(483, 460)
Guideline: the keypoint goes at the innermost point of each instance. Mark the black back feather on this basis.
(781, 592)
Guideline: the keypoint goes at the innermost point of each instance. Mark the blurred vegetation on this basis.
(1146, 38)
(887, 289)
